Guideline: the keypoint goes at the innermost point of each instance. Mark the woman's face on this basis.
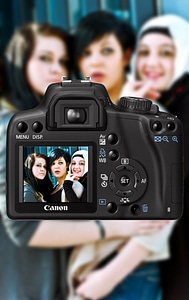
(59, 167)
(155, 60)
(39, 168)
(104, 61)
(47, 63)
(78, 166)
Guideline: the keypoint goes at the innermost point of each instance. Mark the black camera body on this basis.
(135, 154)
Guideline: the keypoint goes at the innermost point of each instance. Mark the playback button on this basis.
(111, 207)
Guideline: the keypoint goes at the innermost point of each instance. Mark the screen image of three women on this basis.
(69, 171)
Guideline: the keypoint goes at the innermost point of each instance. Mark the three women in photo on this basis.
(69, 172)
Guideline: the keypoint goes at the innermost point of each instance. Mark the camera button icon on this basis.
(104, 184)
(102, 201)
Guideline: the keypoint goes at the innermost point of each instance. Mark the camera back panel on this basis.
(135, 154)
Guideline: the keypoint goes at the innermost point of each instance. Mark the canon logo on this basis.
(55, 207)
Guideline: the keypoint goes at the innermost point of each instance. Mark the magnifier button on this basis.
(171, 126)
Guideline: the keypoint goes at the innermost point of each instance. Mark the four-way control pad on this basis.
(128, 181)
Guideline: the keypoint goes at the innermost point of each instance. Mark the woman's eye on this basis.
(107, 51)
(167, 53)
(143, 52)
(45, 58)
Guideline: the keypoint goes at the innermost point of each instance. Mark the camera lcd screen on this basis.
(55, 174)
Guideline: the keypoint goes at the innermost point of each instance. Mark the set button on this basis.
(124, 180)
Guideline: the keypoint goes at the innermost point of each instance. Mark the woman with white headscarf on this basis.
(161, 69)
(78, 171)
(161, 58)
(161, 73)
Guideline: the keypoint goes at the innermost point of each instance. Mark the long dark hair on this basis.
(17, 54)
(43, 186)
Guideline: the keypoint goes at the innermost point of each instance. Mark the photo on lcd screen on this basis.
(55, 174)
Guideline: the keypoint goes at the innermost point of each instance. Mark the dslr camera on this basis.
(134, 155)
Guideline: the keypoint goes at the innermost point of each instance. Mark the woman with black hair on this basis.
(37, 184)
(103, 48)
(59, 161)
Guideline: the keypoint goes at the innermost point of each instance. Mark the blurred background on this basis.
(67, 13)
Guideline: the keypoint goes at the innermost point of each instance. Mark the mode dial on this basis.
(134, 104)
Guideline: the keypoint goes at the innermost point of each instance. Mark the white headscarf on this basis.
(179, 31)
(84, 155)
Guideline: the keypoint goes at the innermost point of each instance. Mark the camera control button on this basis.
(124, 168)
(124, 180)
(157, 126)
(111, 207)
(135, 209)
(37, 127)
(137, 179)
(113, 155)
(112, 180)
(22, 127)
(124, 193)
(171, 126)
(134, 104)
(112, 138)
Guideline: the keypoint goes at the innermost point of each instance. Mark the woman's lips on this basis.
(152, 76)
(97, 76)
(56, 172)
(77, 172)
